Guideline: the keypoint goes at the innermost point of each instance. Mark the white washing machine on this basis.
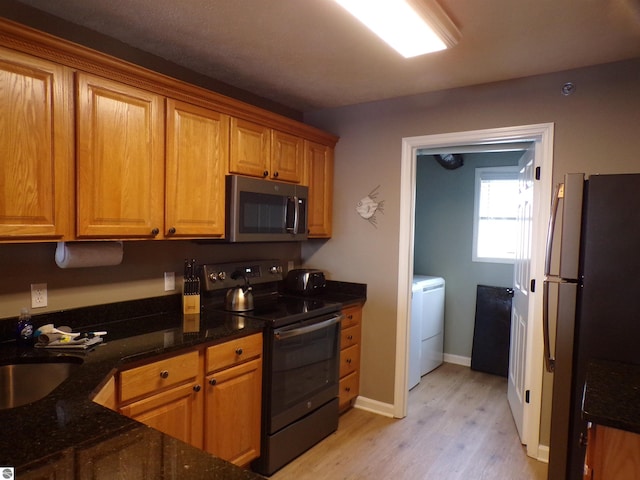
(426, 341)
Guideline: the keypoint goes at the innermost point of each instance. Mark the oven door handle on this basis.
(283, 334)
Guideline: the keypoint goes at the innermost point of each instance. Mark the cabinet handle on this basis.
(196, 388)
(350, 317)
(172, 230)
(212, 382)
(265, 173)
(347, 389)
(155, 232)
(275, 174)
(164, 374)
(238, 351)
(350, 337)
(349, 361)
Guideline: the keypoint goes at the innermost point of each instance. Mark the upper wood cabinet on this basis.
(260, 151)
(318, 161)
(36, 148)
(196, 163)
(120, 160)
(287, 157)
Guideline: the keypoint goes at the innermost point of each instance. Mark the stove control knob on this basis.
(214, 277)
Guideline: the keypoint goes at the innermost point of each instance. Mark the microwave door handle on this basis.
(296, 216)
(551, 230)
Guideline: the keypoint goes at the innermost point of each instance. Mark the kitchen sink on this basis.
(29, 380)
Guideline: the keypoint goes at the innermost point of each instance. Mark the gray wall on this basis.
(444, 237)
(596, 130)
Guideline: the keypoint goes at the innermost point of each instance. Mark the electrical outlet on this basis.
(169, 281)
(38, 295)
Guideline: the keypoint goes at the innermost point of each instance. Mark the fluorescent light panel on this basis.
(408, 26)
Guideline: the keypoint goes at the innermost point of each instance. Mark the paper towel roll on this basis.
(88, 254)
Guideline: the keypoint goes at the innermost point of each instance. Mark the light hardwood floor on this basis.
(459, 427)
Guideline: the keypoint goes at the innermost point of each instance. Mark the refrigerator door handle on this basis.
(549, 361)
(558, 193)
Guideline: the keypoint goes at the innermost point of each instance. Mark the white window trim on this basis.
(510, 172)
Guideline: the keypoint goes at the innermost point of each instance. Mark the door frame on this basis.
(542, 136)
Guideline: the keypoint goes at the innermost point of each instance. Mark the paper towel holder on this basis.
(89, 254)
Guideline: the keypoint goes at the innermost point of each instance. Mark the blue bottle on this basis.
(24, 332)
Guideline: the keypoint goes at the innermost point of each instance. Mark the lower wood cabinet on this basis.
(350, 338)
(176, 412)
(612, 454)
(232, 412)
(209, 397)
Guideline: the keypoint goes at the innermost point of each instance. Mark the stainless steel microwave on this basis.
(264, 211)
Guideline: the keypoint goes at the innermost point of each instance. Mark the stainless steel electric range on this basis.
(300, 362)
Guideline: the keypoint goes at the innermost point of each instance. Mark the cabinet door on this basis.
(196, 163)
(36, 148)
(120, 160)
(286, 157)
(232, 412)
(319, 178)
(176, 412)
(250, 148)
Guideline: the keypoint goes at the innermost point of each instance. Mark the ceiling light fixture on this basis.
(411, 27)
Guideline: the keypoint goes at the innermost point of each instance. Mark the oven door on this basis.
(304, 368)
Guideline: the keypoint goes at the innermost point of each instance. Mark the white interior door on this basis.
(519, 313)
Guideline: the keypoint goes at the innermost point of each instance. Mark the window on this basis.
(495, 222)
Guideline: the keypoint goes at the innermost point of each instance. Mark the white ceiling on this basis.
(310, 54)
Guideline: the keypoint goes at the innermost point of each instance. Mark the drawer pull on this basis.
(164, 374)
(347, 389)
(196, 388)
(213, 382)
(350, 317)
(350, 337)
(349, 361)
(239, 351)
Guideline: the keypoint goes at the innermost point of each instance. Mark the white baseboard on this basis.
(457, 359)
(374, 406)
(543, 453)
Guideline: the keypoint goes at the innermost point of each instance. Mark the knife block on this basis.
(190, 304)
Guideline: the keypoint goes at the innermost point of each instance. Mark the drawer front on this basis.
(233, 351)
(349, 389)
(158, 375)
(349, 336)
(349, 360)
(352, 316)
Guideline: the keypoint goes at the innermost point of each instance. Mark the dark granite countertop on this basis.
(612, 395)
(65, 427)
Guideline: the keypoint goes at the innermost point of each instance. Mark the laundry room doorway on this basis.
(540, 137)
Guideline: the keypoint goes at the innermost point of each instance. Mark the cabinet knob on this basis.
(172, 230)
(265, 173)
(155, 232)
(350, 337)
(349, 361)
(347, 389)
(164, 374)
(196, 388)
(238, 351)
(275, 174)
(212, 382)
(350, 317)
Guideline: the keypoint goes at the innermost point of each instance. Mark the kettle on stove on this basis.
(239, 299)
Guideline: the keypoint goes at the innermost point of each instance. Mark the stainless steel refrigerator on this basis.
(595, 291)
